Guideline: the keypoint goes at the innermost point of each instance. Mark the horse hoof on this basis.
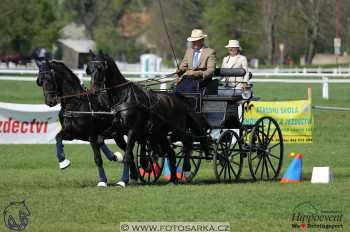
(172, 183)
(64, 164)
(102, 184)
(121, 184)
(187, 176)
(119, 156)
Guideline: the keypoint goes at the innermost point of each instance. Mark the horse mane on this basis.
(113, 67)
(61, 67)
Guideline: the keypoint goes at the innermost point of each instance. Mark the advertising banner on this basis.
(294, 118)
(28, 124)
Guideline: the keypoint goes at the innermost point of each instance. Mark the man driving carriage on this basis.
(198, 65)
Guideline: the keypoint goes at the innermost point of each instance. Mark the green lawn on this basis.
(69, 201)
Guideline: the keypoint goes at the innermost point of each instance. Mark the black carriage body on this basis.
(220, 111)
(238, 140)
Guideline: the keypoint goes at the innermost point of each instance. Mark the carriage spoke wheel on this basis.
(149, 163)
(195, 161)
(266, 150)
(228, 159)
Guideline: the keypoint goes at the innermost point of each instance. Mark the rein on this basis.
(76, 95)
(89, 92)
(113, 87)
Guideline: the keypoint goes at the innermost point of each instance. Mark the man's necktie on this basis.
(195, 61)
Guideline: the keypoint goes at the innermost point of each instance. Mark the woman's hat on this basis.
(196, 34)
(233, 44)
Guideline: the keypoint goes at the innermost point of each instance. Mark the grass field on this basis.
(69, 201)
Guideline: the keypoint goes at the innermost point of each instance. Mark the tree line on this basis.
(127, 28)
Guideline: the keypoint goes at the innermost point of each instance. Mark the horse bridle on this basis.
(104, 89)
(58, 95)
(100, 64)
(42, 76)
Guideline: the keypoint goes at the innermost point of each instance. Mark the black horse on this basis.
(61, 85)
(146, 115)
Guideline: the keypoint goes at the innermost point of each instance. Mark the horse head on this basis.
(57, 80)
(46, 80)
(104, 72)
(97, 68)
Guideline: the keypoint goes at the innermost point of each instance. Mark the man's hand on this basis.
(177, 81)
(179, 72)
(244, 86)
(195, 74)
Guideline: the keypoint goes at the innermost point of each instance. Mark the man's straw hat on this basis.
(196, 34)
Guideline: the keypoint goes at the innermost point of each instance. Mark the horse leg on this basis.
(99, 163)
(122, 145)
(63, 162)
(143, 160)
(187, 148)
(117, 156)
(108, 153)
(205, 146)
(128, 159)
(133, 169)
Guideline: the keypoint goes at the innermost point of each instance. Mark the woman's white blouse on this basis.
(237, 61)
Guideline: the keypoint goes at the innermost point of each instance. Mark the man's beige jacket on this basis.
(207, 62)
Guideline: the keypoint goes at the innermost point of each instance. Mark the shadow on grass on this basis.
(196, 182)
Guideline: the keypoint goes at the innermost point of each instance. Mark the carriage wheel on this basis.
(195, 161)
(149, 163)
(266, 149)
(228, 159)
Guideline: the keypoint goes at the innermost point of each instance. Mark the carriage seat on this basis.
(191, 90)
(213, 85)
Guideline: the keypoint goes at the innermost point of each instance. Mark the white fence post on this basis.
(325, 94)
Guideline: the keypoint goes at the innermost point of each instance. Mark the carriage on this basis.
(232, 139)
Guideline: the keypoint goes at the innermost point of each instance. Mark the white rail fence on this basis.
(325, 79)
(319, 70)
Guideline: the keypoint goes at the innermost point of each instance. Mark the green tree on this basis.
(180, 17)
(102, 24)
(227, 19)
(28, 24)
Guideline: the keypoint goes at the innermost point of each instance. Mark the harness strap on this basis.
(114, 86)
(76, 94)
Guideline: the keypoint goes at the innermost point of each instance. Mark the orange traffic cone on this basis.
(150, 172)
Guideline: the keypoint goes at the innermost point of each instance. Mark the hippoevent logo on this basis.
(12, 126)
(309, 216)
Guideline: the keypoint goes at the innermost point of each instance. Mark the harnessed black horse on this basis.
(146, 115)
(61, 85)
